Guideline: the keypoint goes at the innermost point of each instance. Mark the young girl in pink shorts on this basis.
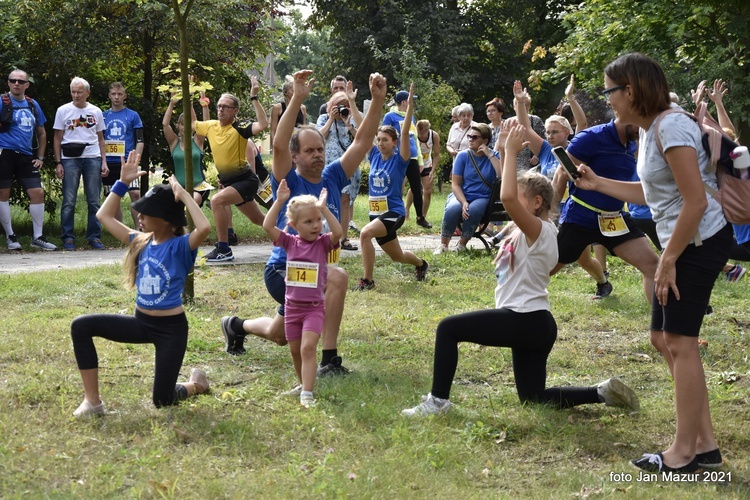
(306, 273)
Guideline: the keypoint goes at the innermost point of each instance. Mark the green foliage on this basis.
(694, 41)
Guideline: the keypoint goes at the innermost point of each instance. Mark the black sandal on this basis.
(347, 245)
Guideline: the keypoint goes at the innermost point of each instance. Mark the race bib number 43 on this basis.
(302, 274)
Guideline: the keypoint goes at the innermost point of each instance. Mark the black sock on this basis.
(328, 355)
(236, 325)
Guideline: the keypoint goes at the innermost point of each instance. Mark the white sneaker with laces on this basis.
(430, 405)
(615, 393)
(42, 243)
(88, 410)
(307, 400)
(441, 249)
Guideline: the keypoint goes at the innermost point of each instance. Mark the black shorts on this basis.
(697, 269)
(114, 176)
(572, 239)
(426, 172)
(246, 184)
(15, 165)
(392, 221)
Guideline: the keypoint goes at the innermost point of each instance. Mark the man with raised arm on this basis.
(240, 184)
(305, 148)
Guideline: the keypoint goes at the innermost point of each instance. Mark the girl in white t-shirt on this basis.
(522, 319)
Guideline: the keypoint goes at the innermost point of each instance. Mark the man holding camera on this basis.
(339, 126)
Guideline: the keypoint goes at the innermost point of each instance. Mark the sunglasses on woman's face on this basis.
(473, 137)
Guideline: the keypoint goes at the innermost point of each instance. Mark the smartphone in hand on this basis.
(566, 162)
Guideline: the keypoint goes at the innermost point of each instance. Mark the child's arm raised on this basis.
(336, 231)
(529, 223)
(106, 213)
(404, 147)
(202, 226)
(269, 223)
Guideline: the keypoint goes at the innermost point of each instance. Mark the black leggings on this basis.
(167, 333)
(530, 337)
(415, 182)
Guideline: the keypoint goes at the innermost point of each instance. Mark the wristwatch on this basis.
(40, 158)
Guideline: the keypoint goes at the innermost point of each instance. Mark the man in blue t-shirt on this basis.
(592, 217)
(305, 148)
(124, 133)
(18, 138)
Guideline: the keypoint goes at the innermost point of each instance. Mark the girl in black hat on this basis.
(157, 262)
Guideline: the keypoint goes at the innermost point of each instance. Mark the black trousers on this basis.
(530, 337)
(167, 333)
(415, 182)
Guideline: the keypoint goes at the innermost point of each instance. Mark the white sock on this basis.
(305, 394)
(5, 217)
(36, 211)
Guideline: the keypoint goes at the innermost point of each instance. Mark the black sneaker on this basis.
(710, 459)
(216, 256)
(654, 462)
(233, 240)
(334, 367)
(364, 284)
(423, 222)
(603, 290)
(235, 340)
(421, 271)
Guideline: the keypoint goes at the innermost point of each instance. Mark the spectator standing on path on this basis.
(429, 148)
(396, 119)
(80, 151)
(18, 138)
(124, 133)
(339, 125)
(305, 148)
(237, 177)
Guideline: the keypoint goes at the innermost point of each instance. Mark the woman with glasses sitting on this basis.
(474, 173)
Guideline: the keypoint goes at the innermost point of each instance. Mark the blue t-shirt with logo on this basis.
(121, 126)
(20, 135)
(387, 178)
(162, 270)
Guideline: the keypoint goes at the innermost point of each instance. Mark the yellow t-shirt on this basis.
(227, 145)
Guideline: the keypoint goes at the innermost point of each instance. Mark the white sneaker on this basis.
(307, 401)
(460, 248)
(295, 391)
(88, 410)
(615, 393)
(441, 249)
(198, 377)
(12, 242)
(42, 243)
(430, 405)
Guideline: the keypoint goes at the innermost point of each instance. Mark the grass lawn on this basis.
(244, 440)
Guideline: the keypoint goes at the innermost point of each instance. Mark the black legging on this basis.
(167, 333)
(530, 337)
(415, 182)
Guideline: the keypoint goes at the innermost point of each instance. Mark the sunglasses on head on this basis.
(15, 80)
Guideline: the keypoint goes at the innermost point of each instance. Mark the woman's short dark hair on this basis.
(484, 130)
(646, 79)
(498, 103)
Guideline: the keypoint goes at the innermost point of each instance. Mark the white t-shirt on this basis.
(522, 271)
(659, 187)
(81, 125)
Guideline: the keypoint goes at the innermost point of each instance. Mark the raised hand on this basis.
(571, 88)
(255, 86)
(351, 92)
(283, 192)
(303, 86)
(130, 170)
(377, 86)
(697, 94)
(177, 189)
(718, 92)
(520, 93)
(514, 142)
(321, 203)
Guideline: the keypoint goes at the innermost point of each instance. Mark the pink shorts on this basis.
(303, 317)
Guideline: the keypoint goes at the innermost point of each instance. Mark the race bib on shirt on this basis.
(612, 224)
(114, 148)
(378, 205)
(302, 274)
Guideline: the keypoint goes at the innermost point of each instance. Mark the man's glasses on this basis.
(473, 137)
(19, 82)
(225, 106)
(607, 92)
